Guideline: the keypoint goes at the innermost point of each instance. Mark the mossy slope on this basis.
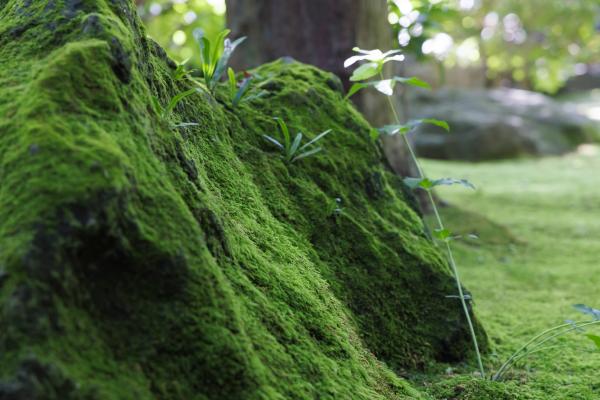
(140, 261)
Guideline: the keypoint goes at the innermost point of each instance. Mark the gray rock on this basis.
(498, 123)
(590, 79)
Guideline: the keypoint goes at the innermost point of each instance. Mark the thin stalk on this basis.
(525, 346)
(448, 247)
(537, 347)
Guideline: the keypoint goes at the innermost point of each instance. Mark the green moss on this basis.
(466, 388)
(139, 261)
(550, 206)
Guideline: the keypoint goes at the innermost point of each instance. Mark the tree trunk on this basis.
(322, 33)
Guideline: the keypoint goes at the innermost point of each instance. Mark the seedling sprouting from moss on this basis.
(214, 56)
(539, 342)
(166, 111)
(243, 91)
(375, 60)
(180, 72)
(292, 150)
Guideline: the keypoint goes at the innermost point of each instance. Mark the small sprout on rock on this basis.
(180, 72)
(241, 92)
(214, 56)
(292, 151)
(165, 112)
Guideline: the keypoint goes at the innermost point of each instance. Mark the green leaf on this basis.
(180, 72)
(428, 184)
(285, 131)
(242, 90)
(354, 89)
(207, 66)
(224, 56)
(316, 139)
(442, 234)
(394, 129)
(365, 71)
(186, 124)
(452, 181)
(422, 183)
(274, 141)
(295, 145)
(406, 128)
(595, 339)
(412, 81)
(307, 154)
(217, 49)
(176, 99)
(232, 83)
(158, 108)
(436, 122)
(255, 96)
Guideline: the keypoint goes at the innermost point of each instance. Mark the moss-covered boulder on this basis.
(142, 261)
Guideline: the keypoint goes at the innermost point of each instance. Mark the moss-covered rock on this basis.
(142, 261)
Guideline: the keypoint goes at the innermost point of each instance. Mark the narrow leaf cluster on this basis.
(165, 111)
(242, 91)
(293, 150)
(214, 56)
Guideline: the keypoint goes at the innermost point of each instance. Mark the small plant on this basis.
(214, 56)
(164, 112)
(242, 92)
(292, 150)
(180, 72)
(373, 66)
(538, 342)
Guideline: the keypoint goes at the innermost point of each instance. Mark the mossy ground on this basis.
(551, 207)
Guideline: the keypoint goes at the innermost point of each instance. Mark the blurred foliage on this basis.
(172, 23)
(535, 43)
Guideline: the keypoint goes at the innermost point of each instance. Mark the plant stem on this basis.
(451, 260)
(537, 347)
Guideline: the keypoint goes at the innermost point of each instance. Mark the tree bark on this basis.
(322, 33)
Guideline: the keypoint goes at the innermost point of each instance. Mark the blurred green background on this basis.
(533, 44)
(172, 23)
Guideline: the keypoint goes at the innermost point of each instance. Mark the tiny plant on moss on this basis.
(242, 91)
(374, 60)
(292, 150)
(214, 56)
(180, 72)
(166, 111)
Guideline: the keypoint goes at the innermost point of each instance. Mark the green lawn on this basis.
(525, 278)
